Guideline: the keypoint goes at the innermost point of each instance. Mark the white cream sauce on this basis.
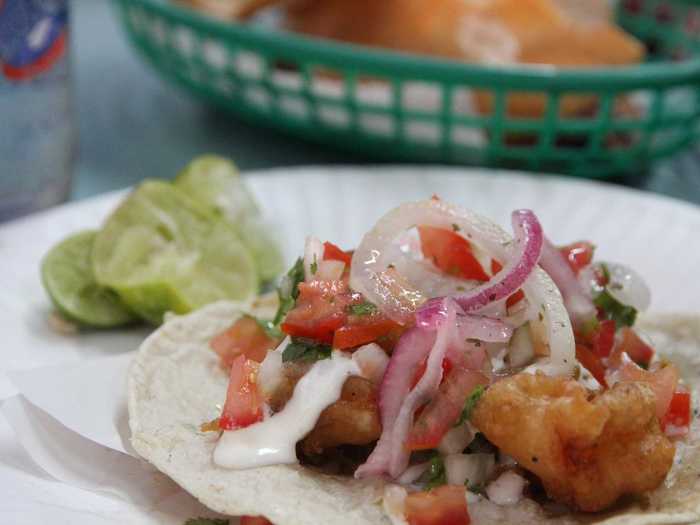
(273, 441)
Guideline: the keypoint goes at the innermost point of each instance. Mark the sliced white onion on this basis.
(457, 439)
(507, 489)
(413, 473)
(628, 287)
(313, 255)
(393, 502)
(329, 270)
(270, 372)
(469, 469)
(372, 360)
(521, 351)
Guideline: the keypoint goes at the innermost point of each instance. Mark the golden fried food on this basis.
(352, 420)
(231, 9)
(588, 452)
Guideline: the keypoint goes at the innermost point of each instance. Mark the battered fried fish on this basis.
(587, 451)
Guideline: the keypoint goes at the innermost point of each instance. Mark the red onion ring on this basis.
(578, 303)
(528, 240)
(411, 350)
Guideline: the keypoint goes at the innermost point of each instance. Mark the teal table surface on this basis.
(133, 125)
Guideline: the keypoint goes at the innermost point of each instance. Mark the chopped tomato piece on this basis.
(663, 381)
(678, 413)
(441, 413)
(320, 310)
(361, 330)
(592, 363)
(254, 520)
(446, 505)
(246, 337)
(332, 253)
(243, 405)
(578, 255)
(517, 296)
(640, 352)
(603, 339)
(451, 253)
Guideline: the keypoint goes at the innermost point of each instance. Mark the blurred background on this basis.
(135, 120)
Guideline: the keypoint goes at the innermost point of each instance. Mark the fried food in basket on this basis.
(231, 9)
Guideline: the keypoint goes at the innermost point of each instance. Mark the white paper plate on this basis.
(656, 235)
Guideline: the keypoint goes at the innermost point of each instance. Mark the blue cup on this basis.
(37, 128)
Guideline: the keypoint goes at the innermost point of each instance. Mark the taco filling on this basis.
(455, 363)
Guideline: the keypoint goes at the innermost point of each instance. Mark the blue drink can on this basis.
(37, 128)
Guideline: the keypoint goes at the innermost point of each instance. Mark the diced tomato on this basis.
(332, 253)
(678, 413)
(363, 329)
(591, 362)
(245, 337)
(254, 520)
(640, 352)
(440, 414)
(663, 381)
(243, 405)
(446, 505)
(451, 253)
(603, 339)
(320, 310)
(517, 296)
(578, 255)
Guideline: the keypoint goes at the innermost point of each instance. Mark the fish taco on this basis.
(443, 372)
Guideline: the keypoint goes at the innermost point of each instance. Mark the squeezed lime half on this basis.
(214, 182)
(161, 251)
(67, 274)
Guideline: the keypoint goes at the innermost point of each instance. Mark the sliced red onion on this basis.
(577, 301)
(469, 469)
(479, 327)
(457, 439)
(329, 270)
(507, 489)
(526, 253)
(413, 473)
(424, 390)
(410, 352)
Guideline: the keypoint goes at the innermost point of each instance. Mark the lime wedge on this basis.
(66, 272)
(214, 182)
(161, 251)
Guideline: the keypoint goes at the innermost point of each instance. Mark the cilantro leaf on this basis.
(305, 350)
(365, 308)
(470, 403)
(271, 329)
(207, 521)
(435, 475)
(622, 314)
(288, 290)
(314, 266)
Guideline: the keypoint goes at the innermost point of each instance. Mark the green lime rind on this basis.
(67, 275)
(214, 182)
(162, 251)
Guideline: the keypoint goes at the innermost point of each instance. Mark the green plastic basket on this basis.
(406, 107)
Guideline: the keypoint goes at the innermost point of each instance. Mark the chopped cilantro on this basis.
(271, 329)
(435, 475)
(207, 521)
(314, 266)
(622, 314)
(365, 308)
(455, 227)
(605, 271)
(470, 403)
(288, 290)
(306, 350)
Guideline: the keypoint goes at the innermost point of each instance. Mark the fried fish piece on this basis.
(587, 451)
(352, 420)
